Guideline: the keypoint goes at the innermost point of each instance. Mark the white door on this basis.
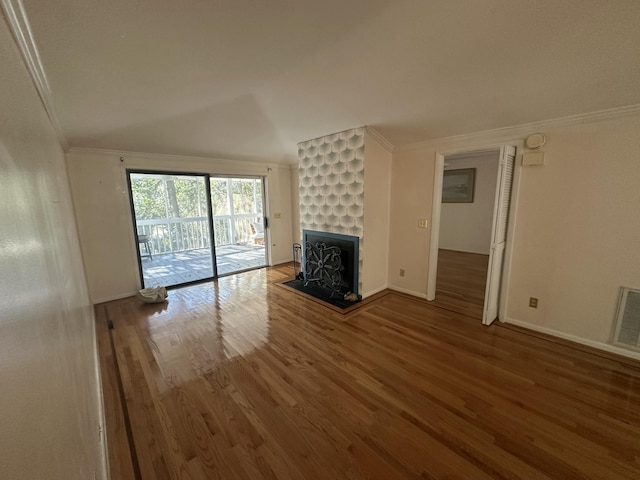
(499, 233)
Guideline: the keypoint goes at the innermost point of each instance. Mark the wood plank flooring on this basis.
(240, 379)
(120, 458)
(461, 282)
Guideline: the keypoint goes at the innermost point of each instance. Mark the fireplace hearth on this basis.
(330, 267)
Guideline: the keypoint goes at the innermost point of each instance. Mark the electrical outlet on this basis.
(533, 302)
(402, 272)
(277, 215)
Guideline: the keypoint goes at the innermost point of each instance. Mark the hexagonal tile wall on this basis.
(331, 173)
(333, 167)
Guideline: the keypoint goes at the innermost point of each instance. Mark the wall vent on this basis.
(628, 319)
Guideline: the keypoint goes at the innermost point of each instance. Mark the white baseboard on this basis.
(115, 297)
(281, 261)
(574, 338)
(374, 291)
(408, 292)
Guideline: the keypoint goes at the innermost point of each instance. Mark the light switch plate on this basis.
(422, 223)
(533, 158)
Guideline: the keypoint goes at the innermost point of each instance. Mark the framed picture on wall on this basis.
(458, 185)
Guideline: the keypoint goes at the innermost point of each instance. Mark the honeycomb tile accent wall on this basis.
(331, 174)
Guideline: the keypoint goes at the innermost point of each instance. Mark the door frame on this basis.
(436, 211)
(207, 177)
(265, 218)
(128, 172)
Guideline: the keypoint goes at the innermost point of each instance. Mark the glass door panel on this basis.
(238, 219)
(172, 225)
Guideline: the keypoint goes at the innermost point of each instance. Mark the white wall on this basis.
(101, 201)
(466, 227)
(575, 236)
(50, 403)
(377, 193)
(280, 229)
(296, 231)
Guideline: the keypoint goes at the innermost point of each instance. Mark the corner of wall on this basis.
(408, 291)
(377, 215)
(295, 204)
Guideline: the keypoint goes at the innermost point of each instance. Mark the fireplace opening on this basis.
(330, 267)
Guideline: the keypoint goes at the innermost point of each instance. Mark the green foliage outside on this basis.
(185, 197)
(158, 197)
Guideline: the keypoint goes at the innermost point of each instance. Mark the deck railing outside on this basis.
(168, 235)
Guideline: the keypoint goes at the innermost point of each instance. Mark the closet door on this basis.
(499, 233)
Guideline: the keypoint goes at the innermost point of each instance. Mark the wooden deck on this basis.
(240, 379)
(191, 265)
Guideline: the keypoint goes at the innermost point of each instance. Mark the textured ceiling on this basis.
(244, 79)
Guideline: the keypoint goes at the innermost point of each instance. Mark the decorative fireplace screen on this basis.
(323, 266)
(330, 263)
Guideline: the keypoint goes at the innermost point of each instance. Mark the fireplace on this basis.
(330, 267)
(331, 261)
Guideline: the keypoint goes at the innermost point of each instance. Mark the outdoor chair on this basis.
(144, 240)
(257, 230)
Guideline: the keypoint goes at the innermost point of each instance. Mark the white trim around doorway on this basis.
(436, 210)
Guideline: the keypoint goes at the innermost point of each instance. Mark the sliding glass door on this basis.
(238, 219)
(172, 228)
(173, 219)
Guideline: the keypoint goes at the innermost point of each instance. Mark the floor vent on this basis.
(628, 319)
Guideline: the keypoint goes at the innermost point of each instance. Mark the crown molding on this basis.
(165, 156)
(474, 155)
(291, 160)
(18, 22)
(377, 136)
(527, 128)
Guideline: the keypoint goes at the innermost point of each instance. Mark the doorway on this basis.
(238, 223)
(471, 207)
(466, 216)
(194, 227)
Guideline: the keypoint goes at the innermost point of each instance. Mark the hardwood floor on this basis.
(461, 282)
(240, 379)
